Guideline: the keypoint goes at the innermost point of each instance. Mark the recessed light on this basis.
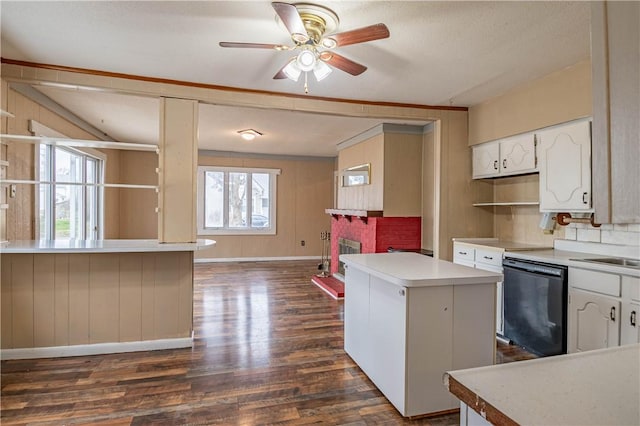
(249, 134)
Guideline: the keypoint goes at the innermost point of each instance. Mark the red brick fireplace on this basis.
(376, 234)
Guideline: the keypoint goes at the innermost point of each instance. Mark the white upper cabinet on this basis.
(564, 154)
(615, 62)
(518, 154)
(505, 157)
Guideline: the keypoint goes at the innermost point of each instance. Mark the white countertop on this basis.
(600, 387)
(99, 246)
(500, 244)
(417, 270)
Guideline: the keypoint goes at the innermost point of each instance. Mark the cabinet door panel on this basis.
(518, 154)
(629, 327)
(593, 321)
(486, 158)
(388, 335)
(356, 317)
(565, 167)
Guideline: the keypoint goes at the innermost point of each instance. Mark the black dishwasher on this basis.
(535, 306)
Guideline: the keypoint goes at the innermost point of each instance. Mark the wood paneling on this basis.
(74, 299)
(138, 218)
(363, 197)
(402, 194)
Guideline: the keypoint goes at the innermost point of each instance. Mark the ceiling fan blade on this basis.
(280, 74)
(254, 45)
(292, 21)
(342, 63)
(360, 35)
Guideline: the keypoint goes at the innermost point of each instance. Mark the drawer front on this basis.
(631, 288)
(599, 282)
(462, 252)
(488, 257)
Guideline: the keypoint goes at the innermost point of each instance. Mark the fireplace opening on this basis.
(346, 246)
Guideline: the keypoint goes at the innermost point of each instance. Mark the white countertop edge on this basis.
(416, 270)
(100, 246)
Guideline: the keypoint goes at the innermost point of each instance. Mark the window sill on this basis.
(236, 232)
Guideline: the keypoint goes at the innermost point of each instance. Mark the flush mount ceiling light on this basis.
(249, 134)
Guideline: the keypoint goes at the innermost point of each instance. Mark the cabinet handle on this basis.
(495, 165)
(488, 257)
(612, 313)
(504, 163)
(632, 319)
(464, 253)
(401, 292)
(584, 198)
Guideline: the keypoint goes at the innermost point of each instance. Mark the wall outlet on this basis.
(302, 243)
(12, 190)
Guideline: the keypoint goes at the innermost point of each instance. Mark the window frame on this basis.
(226, 230)
(39, 129)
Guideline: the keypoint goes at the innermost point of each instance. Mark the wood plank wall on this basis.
(84, 298)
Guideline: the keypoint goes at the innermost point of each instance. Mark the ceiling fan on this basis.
(311, 27)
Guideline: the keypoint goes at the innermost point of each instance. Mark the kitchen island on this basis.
(409, 318)
(68, 298)
(599, 387)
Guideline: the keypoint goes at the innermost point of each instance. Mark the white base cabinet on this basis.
(603, 310)
(405, 338)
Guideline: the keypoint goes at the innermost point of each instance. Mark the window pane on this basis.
(214, 200)
(44, 194)
(237, 200)
(91, 217)
(69, 201)
(260, 200)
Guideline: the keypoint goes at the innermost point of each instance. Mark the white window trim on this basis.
(247, 231)
(39, 129)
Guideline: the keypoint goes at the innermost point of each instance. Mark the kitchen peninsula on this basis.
(409, 318)
(67, 298)
(599, 387)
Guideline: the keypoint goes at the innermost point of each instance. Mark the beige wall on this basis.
(363, 197)
(138, 218)
(556, 98)
(402, 175)
(305, 190)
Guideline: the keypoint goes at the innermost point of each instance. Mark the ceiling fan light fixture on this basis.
(328, 43)
(292, 70)
(249, 134)
(306, 60)
(321, 70)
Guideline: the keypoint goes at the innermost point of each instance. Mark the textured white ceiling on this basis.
(439, 53)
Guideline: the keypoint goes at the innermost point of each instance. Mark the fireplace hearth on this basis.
(346, 246)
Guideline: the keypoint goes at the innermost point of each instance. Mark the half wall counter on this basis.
(69, 298)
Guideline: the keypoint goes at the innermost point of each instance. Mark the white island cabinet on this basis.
(409, 318)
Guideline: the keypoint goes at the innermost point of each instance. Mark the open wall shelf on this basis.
(509, 203)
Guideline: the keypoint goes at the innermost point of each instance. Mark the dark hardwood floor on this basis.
(267, 350)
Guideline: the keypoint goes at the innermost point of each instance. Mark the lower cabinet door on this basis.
(356, 317)
(629, 327)
(388, 335)
(593, 321)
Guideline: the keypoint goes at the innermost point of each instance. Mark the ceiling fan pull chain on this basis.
(306, 87)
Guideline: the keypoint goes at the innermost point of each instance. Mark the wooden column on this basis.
(178, 164)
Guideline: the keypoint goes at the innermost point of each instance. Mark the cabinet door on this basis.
(593, 321)
(564, 153)
(388, 340)
(356, 317)
(486, 159)
(518, 154)
(615, 61)
(629, 328)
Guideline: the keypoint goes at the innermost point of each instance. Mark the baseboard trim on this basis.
(254, 259)
(95, 349)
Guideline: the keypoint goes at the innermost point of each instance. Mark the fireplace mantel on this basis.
(348, 213)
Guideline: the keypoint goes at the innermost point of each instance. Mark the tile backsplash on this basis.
(628, 235)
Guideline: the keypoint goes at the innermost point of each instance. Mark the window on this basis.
(70, 200)
(236, 200)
